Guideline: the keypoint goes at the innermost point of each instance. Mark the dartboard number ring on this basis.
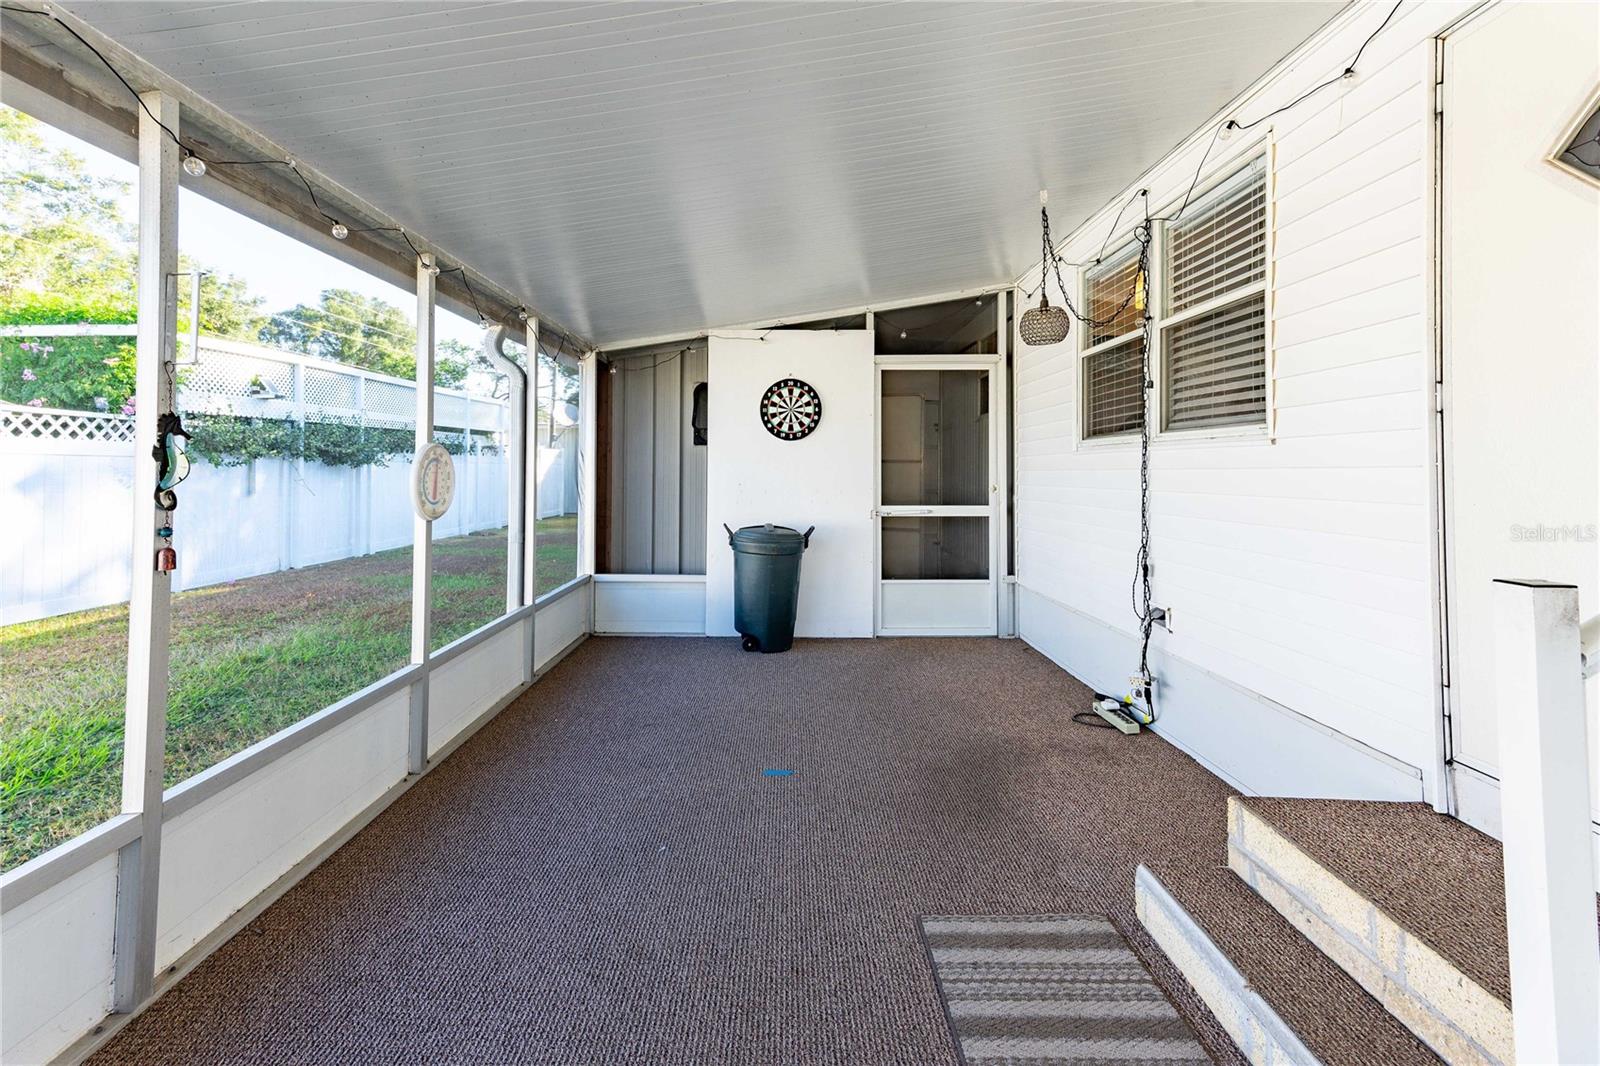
(791, 409)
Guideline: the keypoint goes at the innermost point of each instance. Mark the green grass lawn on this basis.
(247, 659)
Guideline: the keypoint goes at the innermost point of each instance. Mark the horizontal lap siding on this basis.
(1297, 569)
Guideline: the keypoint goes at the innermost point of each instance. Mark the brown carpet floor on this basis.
(1336, 1019)
(604, 875)
(1438, 877)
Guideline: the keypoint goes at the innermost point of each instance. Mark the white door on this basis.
(1521, 316)
(937, 528)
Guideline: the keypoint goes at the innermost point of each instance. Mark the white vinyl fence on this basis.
(66, 486)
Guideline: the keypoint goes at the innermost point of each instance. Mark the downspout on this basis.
(494, 339)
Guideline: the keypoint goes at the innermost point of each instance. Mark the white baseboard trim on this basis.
(650, 605)
(1256, 745)
(1478, 804)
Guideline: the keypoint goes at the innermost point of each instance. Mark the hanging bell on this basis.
(1044, 324)
(166, 560)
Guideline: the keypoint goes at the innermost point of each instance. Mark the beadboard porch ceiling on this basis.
(643, 169)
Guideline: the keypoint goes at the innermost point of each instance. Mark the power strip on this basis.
(1116, 716)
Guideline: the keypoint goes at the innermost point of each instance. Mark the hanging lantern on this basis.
(1045, 324)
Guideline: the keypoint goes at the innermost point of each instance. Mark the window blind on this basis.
(1113, 390)
(1107, 287)
(1215, 373)
(1214, 363)
(1221, 244)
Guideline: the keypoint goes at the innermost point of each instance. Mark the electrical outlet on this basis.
(1162, 616)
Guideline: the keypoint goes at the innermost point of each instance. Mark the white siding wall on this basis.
(1297, 568)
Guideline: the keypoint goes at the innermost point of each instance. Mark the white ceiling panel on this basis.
(640, 169)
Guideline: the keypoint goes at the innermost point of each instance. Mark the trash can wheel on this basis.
(750, 644)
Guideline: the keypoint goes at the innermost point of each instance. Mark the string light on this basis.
(196, 167)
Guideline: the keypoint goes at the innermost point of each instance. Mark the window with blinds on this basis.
(1214, 313)
(1113, 392)
(1107, 291)
(1113, 377)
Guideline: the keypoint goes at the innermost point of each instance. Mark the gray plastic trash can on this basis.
(766, 584)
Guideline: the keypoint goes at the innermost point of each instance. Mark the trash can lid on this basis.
(768, 540)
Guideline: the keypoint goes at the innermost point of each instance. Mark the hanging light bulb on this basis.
(902, 334)
(194, 166)
(1045, 324)
(340, 231)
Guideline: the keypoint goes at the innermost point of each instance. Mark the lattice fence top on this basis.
(234, 377)
(50, 424)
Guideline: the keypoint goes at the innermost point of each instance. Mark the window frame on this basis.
(1261, 149)
(1087, 351)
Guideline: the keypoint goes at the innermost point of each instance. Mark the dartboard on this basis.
(791, 409)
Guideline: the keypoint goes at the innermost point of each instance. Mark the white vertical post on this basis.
(421, 528)
(513, 446)
(530, 499)
(588, 389)
(149, 611)
(1000, 498)
(1544, 803)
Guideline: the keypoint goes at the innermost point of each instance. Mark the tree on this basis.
(71, 259)
(364, 331)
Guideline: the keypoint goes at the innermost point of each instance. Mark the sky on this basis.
(275, 266)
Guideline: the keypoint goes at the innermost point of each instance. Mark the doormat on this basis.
(1050, 989)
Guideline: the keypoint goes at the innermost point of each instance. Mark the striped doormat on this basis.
(1051, 988)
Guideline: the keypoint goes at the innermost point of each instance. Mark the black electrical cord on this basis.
(1348, 71)
(1053, 254)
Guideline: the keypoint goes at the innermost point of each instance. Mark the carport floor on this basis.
(605, 874)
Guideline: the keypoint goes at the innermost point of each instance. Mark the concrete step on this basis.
(1409, 902)
(1279, 997)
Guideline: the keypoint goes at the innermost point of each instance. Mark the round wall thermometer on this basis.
(433, 482)
(791, 409)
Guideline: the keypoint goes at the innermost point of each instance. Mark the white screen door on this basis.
(936, 513)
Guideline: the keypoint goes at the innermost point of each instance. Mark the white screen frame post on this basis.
(530, 496)
(588, 390)
(150, 605)
(422, 528)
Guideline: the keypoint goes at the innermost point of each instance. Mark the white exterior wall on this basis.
(825, 479)
(1297, 567)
